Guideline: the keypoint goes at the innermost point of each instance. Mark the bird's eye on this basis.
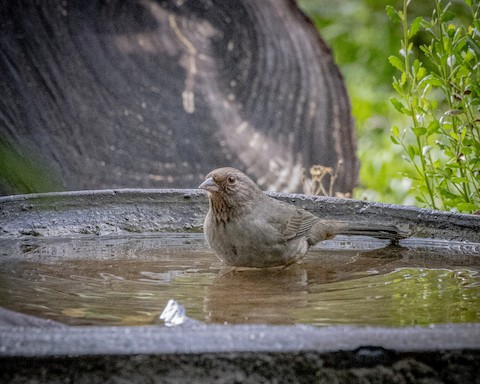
(231, 179)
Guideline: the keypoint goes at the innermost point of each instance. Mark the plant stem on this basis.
(411, 78)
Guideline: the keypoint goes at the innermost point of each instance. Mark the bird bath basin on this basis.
(127, 280)
(103, 264)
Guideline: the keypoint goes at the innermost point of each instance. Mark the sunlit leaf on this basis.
(419, 131)
(416, 65)
(398, 87)
(393, 14)
(397, 63)
(397, 104)
(433, 126)
(415, 27)
(461, 180)
(467, 207)
(432, 80)
(395, 130)
(421, 73)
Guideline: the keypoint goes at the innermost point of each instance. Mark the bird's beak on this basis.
(209, 185)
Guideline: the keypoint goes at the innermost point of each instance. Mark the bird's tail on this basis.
(387, 232)
(326, 229)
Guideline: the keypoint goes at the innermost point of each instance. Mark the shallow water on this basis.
(348, 281)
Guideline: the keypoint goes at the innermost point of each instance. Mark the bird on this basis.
(245, 227)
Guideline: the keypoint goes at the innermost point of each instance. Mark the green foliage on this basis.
(363, 37)
(441, 100)
(24, 172)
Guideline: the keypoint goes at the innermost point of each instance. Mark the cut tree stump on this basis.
(155, 94)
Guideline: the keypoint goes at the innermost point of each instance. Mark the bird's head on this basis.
(230, 186)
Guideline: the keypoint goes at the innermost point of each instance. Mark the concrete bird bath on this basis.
(85, 275)
(63, 247)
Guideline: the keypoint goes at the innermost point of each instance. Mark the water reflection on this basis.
(257, 296)
(129, 282)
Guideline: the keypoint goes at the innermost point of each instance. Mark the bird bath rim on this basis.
(125, 211)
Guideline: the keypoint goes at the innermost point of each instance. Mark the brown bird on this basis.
(247, 228)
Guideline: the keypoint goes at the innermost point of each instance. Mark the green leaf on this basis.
(421, 73)
(448, 152)
(395, 130)
(397, 104)
(419, 131)
(412, 151)
(394, 140)
(393, 14)
(473, 44)
(398, 87)
(432, 80)
(458, 47)
(447, 16)
(425, 49)
(397, 63)
(416, 65)
(468, 55)
(420, 199)
(447, 193)
(460, 180)
(466, 207)
(415, 27)
(433, 127)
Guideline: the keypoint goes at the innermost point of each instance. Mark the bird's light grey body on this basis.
(247, 228)
(260, 239)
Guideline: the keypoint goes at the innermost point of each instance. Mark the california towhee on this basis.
(247, 228)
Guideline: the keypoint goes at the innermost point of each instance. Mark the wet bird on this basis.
(247, 228)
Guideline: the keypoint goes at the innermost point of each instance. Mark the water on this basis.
(128, 281)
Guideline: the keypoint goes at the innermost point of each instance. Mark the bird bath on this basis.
(103, 264)
(127, 280)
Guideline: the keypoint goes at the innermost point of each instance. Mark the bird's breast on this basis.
(246, 244)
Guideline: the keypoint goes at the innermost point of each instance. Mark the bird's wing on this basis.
(298, 224)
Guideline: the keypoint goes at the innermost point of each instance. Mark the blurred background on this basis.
(362, 38)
